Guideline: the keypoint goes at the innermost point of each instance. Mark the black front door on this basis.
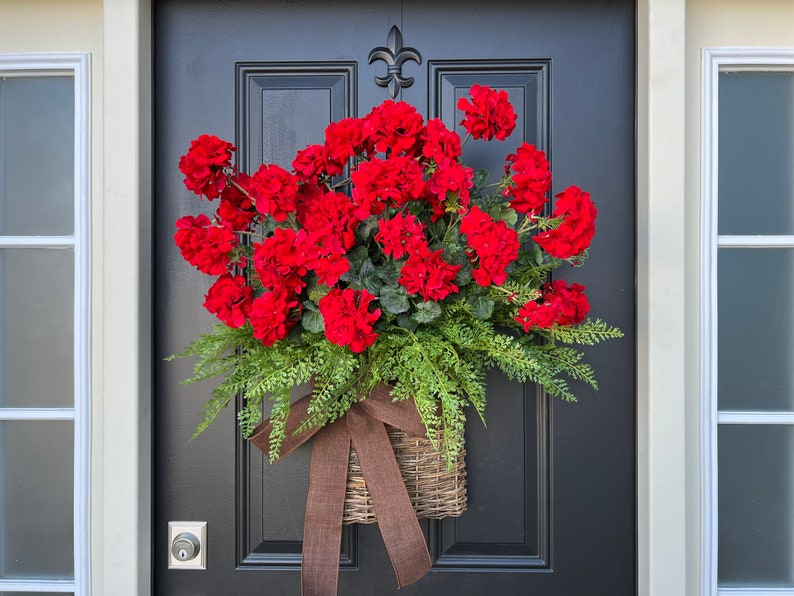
(551, 484)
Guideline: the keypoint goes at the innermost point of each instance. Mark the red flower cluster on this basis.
(391, 182)
(275, 191)
(528, 169)
(489, 114)
(203, 165)
(450, 182)
(439, 143)
(327, 217)
(236, 209)
(230, 299)
(280, 262)
(343, 140)
(394, 126)
(427, 274)
(493, 244)
(348, 321)
(573, 235)
(273, 314)
(203, 245)
(407, 213)
(401, 235)
(560, 305)
(313, 161)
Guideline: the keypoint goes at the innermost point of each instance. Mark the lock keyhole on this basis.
(186, 546)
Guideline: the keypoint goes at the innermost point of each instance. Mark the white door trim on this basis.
(665, 561)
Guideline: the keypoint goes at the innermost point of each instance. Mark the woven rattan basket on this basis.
(435, 492)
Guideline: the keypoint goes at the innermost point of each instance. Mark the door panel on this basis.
(551, 485)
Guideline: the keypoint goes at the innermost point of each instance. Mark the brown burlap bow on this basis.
(322, 527)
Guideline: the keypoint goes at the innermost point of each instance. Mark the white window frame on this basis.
(716, 60)
(76, 65)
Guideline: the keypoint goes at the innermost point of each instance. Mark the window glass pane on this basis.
(36, 155)
(756, 153)
(756, 329)
(756, 492)
(35, 593)
(36, 499)
(36, 327)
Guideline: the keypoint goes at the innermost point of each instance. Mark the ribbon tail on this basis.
(298, 412)
(399, 527)
(322, 528)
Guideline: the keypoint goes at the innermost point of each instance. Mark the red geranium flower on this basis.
(378, 183)
(569, 302)
(275, 191)
(395, 127)
(344, 139)
(489, 114)
(328, 266)
(327, 217)
(230, 299)
(439, 143)
(236, 209)
(273, 314)
(533, 314)
(280, 261)
(203, 165)
(203, 245)
(348, 321)
(560, 304)
(313, 161)
(493, 244)
(452, 179)
(427, 274)
(573, 235)
(531, 179)
(401, 235)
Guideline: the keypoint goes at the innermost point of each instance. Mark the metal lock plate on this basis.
(187, 545)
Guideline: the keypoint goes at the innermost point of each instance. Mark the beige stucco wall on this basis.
(711, 24)
(58, 26)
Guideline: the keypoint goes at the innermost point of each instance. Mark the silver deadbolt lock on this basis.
(186, 546)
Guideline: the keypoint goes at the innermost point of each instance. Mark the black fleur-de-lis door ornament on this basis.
(394, 55)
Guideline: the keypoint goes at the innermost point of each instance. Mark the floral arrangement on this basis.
(381, 258)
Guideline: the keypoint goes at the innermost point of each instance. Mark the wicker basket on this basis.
(434, 491)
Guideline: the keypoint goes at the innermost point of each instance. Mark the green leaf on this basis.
(426, 312)
(538, 253)
(367, 227)
(394, 300)
(482, 307)
(463, 278)
(312, 321)
(407, 322)
(389, 275)
(436, 229)
(369, 277)
(504, 213)
(357, 254)
(480, 177)
(356, 258)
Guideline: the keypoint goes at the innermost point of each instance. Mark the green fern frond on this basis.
(589, 333)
